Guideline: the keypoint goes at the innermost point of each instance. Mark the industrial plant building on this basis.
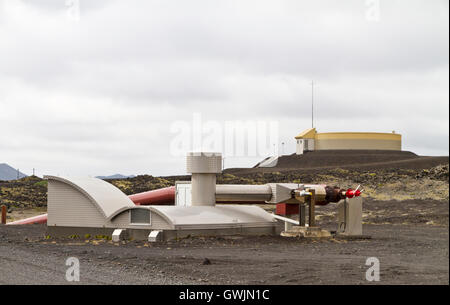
(311, 140)
(91, 206)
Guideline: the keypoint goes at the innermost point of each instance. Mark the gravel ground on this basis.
(411, 241)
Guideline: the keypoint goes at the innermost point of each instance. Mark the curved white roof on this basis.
(105, 196)
(214, 216)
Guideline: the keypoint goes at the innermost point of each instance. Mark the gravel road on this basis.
(410, 239)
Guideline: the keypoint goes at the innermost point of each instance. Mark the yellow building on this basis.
(310, 140)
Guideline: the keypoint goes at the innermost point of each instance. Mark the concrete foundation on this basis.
(298, 231)
(350, 217)
(143, 234)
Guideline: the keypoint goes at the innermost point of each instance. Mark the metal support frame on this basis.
(302, 214)
(310, 199)
(312, 208)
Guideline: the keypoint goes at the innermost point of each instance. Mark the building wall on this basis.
(123, 221)
(67, 206)
(299, 147)
(375, 141)
(304, 145)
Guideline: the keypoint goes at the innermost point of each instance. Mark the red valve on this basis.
(351, 193)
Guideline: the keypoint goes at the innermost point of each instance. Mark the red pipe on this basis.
(28, 221)
(167, 196)
(160, 196)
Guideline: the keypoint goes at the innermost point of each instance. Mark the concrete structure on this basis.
(305, 141)
(350, 217)
(310, 140)
(83, 202)
(268, 162)
(79, 206)
(203, 167)
(183, 193)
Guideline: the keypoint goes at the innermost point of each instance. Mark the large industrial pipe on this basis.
(159, 196)
(243, 193)
(325, 194)
(225, 193)
(28, 221)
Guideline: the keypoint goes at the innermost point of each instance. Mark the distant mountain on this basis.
(9, 173)
(116, 176)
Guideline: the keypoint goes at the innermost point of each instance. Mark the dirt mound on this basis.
(347, 159)
(342, 157)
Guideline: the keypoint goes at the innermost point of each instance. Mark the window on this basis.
(140, 216)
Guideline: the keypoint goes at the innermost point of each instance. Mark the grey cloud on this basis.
(104, 91)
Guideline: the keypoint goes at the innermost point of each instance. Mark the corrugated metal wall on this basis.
(68, 207)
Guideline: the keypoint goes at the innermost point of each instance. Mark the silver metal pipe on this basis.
(244, 193)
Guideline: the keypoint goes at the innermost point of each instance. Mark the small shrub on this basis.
(105, 237)
(42, 183)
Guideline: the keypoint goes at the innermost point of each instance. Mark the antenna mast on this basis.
(312, 104)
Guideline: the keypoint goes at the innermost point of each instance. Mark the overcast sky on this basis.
(95, 87)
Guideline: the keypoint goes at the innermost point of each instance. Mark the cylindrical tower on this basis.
(203, 167)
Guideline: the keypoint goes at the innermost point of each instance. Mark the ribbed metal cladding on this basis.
(204, 163)
(203, 167)
(67, 206)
